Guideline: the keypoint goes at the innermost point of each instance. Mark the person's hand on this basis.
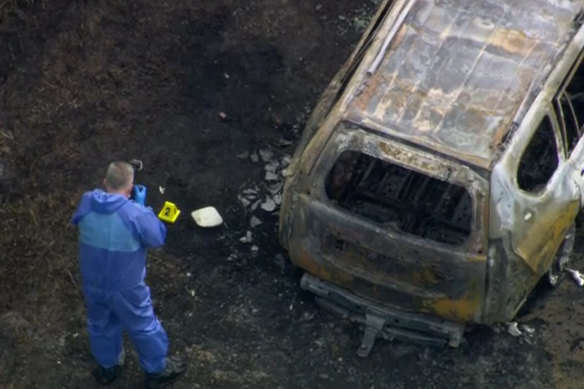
(140, 194)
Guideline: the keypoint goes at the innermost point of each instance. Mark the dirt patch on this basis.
(196, 90)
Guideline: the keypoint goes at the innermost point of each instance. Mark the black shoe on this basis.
(107, 376)
(174, 367)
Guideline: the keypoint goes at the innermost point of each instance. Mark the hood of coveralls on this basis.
(103, 202)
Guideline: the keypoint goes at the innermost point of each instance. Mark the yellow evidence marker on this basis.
(169, 212)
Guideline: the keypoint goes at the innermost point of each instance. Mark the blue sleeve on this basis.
(83, 208)
(151, 230)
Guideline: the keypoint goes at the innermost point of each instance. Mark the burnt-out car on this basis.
(438, 178)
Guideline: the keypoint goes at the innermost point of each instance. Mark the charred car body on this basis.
(438, 179)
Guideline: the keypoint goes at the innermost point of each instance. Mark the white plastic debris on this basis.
(269, 205)
(266, 155)
(255, 205)
(254, 222)
(576, 276)
(528, 330)
(271, 176)
(278, 199)
(222, 115)
(161, 189)
(286, 159)
(512, 329)
(272, 166)
(249, 191)
(207, 217)
(244, 201)
(255, 249)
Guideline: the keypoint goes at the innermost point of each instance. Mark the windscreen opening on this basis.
(397, 197)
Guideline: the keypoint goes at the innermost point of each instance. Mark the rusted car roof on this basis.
(457, 72)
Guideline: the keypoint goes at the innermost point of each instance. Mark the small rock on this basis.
(161, 189)
(223, 115)
(255, 249)
(254, 157)
(232, 257)
(226, 76)
(278, 199)
(318, 7)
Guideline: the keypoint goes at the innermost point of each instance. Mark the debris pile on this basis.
(264, 197)
(524, 331)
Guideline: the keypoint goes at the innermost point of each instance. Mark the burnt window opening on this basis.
(570, 108)
(569, 120)
(393, 196)
(539, 160)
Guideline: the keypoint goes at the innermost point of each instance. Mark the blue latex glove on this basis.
(140, 194)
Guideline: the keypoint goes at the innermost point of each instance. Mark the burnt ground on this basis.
(195, 90)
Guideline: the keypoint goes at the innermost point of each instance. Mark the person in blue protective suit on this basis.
(114, 235)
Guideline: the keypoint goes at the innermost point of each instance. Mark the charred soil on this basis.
(211, 96)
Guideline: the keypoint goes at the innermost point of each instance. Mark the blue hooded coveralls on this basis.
(114, 233)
